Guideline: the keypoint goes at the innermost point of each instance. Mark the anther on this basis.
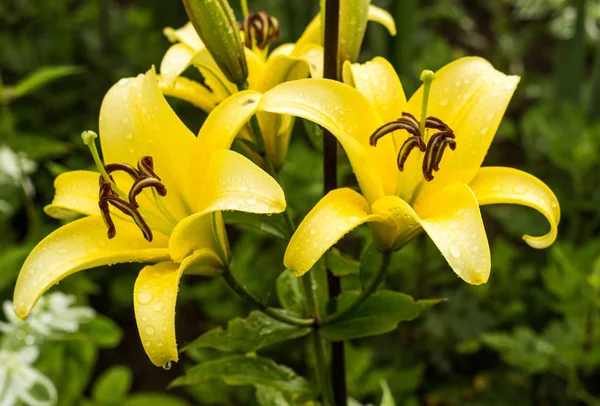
(259, 28)
(144, 182)
(436, 145)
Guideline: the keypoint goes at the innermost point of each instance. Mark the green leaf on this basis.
(37, 148)
(387, 398)
(340, 265)
(11, 259)
(274, 225)
(247, 335)
(290, 292)
(154, 399)
(41, 77)
(314, 133)
(103, 332)
(427, 303)
(378, 314)
(113, 385)
(267, 396)
(239, 370)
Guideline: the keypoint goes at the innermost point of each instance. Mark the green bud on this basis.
(215, 23)
(353, 24)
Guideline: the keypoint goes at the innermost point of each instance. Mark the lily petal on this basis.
(155, 295)
(190, 91)
(378, 82)
(335, 215)
(382, 17)
(136, 120)
(176, 60)
(236, 183)
(497, 185)
(350, 117)
(452, 219)
(196, 232)
(76, 194)
(203, 262)
(186, 34)
(81, 245)
(471, 97)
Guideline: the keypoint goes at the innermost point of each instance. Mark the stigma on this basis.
(259, 29)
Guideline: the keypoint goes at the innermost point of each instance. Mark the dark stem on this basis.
(330, 71)
(367, 291)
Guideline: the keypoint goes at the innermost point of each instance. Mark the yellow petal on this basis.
(136, 120)
(382, 17)
(203, 262)
(226, 121)
(452, 219)
(396, 225)
(213, 77)
(176, 60)
(236, 183)
(471, 97)
(282, 68)
(336, 214)
(256, 70)
(351, 119)
(76, 194)
(186, 34)
(190, 91)
(155, 295)
(79, 245)
(194, 233)
(495, 185)
(378, 82)
(283, 49)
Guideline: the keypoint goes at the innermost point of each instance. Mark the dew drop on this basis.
(520, 189)
(167, 366)
(63, 251)
(145, 297)
(125, 120)
(455, 251)
(149, 330)
(313, 231)
(251, 201)
(444, 102)
(159, 343)
(158, 306)
(129, 136)
(496, 188)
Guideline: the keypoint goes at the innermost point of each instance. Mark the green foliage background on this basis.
(530, 336)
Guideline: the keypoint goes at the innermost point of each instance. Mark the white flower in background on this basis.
(14, 166)
(53, 314)
(18, 378)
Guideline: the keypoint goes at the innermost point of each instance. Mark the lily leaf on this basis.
(340, 265)
(247, 335)
(113, 385)
(274, 224)
(290, 293)
(239, 370)
(387, 399)
(39, 78)
(379, 314)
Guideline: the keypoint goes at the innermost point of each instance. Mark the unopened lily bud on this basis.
(353, 24)
(216, 25)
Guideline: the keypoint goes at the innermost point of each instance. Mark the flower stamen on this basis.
(434, 147)
(259, 29)
(110, 195)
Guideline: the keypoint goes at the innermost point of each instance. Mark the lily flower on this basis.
(418, 162)
(266, 70)
(178, 184)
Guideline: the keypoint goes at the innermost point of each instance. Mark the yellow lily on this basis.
(171, 217)
(285, 63)
(469, 97)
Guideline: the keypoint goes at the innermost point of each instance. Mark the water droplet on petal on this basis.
(455, 251)
(158, 306)
(251, 201)
(63, 251)
(520, 189)
(145, 297)
(313, 231)
(149, 330)
(496, 188)
(167, 366)
(444, 102)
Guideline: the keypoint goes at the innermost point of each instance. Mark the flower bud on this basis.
(215, 23)
(353, 24)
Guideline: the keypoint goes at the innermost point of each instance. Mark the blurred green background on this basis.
(531, 336)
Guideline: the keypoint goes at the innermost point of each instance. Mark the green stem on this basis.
(321, 362)
(245, 11)
(367, 291)
(274, 313)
